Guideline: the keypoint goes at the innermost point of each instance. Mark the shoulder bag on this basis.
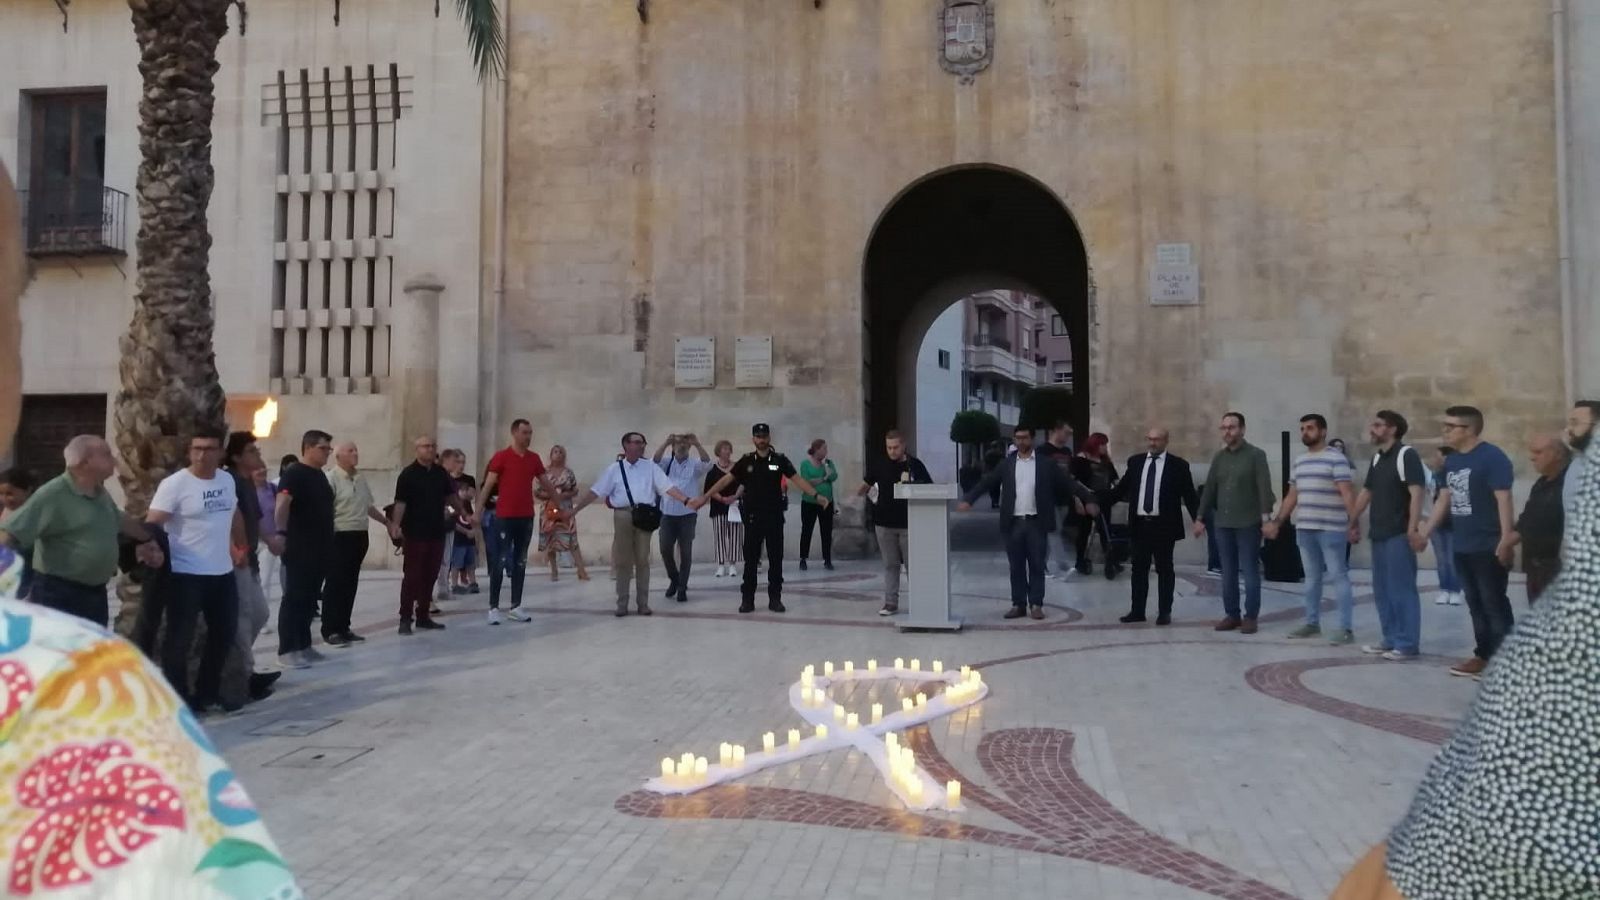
(645, 518)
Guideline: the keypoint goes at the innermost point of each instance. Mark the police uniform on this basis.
(764, 496)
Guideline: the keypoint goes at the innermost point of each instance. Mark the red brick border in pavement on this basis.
(1283, 681)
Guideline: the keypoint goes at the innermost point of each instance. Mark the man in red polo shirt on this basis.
(512, 472)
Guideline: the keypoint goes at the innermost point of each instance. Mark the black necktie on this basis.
(1148, 507)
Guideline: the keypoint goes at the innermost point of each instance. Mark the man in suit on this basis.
(1157, 487)
(1030, 489)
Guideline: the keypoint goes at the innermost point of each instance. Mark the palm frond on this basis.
(484, 38)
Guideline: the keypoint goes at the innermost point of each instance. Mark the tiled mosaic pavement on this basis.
(1109, 761)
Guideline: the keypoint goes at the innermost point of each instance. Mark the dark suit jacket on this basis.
(1052, 486)
(1176, 493)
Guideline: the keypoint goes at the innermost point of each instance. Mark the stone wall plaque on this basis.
(694, 362)
(1174, 285)
(752, 361)
(966, 34)
(1174, 254)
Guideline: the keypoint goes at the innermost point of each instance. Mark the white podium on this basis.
(928, 508)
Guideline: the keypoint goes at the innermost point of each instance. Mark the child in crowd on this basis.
(16, 486)
(464, 552)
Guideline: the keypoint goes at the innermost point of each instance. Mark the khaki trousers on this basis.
(630, 560)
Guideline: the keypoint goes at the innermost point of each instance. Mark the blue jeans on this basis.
(1240, 549)
(1026, 550)
(510, 557)
(1483, 580)
(1324, 551)
(1444, 550)
(1394, 591)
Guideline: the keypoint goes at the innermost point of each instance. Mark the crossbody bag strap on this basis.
(625, 486)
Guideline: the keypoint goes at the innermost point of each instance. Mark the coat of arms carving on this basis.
(966, 31)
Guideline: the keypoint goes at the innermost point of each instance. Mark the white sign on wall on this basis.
(1173, 285)
(1174, 254)
(694, 362)
(752, 361)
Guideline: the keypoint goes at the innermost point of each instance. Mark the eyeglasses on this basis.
(1451, 426)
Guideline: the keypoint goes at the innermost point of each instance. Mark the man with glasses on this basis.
(304, 516)
(199, 508)
(1477, 498)
(633, 482)
(1158, 487)
(1393, 491)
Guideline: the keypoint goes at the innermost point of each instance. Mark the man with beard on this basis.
(1580, 430)
(1320, 492)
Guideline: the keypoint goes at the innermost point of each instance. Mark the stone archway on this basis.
(949, 235)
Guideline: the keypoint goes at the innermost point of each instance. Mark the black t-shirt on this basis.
(425, 491)
(1543, 520)
(310, 529)
(885, 473)
(1391, 498)
(763, 481)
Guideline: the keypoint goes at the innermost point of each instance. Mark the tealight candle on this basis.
(769, 742)
(899, 662)
(952, 794)
(877, 713)
(966, 672)
(809, 670)
(914, 788)
(725, 754)
(852, 721)
(905, 704)
(922, 699)
(668, 768)
(938, 667)
(794, 739)
(822, 732)
(827, 669)
(892, 742)
(849, 667)
(701, 767)
(807, 680)
(916, 665)
(872, 665)
(738, 754)
(838, 713)
(686, 765)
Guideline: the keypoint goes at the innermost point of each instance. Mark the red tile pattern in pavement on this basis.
(1060, 813)
(1283, 681)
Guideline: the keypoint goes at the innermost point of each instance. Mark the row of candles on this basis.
(903, 771)
(690, 769)
(808, 675)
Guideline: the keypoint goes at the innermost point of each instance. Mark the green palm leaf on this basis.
(484, 37)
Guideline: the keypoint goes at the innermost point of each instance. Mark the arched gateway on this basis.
(949, 235)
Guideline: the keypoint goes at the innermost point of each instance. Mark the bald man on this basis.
(1543, 519)
(353, 507)
(1157, 487)
(424, 502)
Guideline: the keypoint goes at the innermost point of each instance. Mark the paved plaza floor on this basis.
(1108, 761)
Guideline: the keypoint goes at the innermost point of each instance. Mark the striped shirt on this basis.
(1316, 477)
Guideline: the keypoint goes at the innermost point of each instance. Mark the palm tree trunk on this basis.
(169, 384)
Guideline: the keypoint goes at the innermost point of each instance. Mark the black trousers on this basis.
(810, 515)
(303, 578)
(1149, 545)
(344, 576)
(188, 597)
(86, 601)
(763, 531)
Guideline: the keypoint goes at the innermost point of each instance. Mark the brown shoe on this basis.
(1248, 626)
(1015, 612)
(1472, 668)
(644, 610)
(1227, 624)
(1036, 612)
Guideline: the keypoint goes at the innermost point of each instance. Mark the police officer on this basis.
(762, 473)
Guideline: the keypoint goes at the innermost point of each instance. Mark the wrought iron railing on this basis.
(76, 219)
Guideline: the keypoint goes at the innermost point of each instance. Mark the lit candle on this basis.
(899, 662)
(977, 677)
(809, 670)
(849, 667)
(852, 721)
(916, 665)
(807, 680)
(892, 742)
(686, 765)
(738, 754)
(877, 713)
(838, 713)
(769, 742)
(952, 794)
(725, 754)
(938, 667)
(914, 788)
(668, 768)
(922, 699)
(701, 767)
(822, 732)
(966, 672)
(794, 739)
(827, 669)
(872, 665)
(905, 704)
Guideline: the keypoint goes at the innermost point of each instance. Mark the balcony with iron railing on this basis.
(992, 355)
(75, 219)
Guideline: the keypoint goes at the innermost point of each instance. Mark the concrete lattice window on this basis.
(333, 269)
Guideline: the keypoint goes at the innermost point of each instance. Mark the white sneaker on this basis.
(293, 661)
(719, 572)
(1456, 598)
(516, 614)
(1397, 656)
(1443, 599)
(494, 617)
(1375, 649)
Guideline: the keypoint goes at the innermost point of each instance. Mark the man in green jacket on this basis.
(1239, 491)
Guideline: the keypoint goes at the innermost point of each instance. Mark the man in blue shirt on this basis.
(1477, 498)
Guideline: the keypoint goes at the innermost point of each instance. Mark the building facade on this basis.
(1333, 206)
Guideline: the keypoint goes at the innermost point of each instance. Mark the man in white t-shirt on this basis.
(199, 508)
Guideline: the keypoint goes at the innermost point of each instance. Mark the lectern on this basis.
(928, 508)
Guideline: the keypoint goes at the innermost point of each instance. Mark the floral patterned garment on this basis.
(112, 789)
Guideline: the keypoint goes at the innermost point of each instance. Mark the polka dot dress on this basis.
(1510, 809)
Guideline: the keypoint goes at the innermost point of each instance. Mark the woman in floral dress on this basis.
(558, 531)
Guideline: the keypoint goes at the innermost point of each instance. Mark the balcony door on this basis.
(67, 171)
